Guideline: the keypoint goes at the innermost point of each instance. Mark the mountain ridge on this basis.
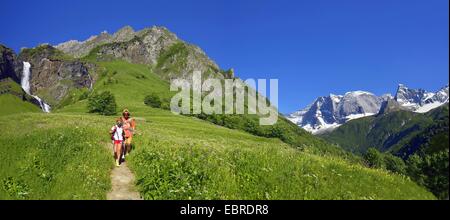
(327, 113)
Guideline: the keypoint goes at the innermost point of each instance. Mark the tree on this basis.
(435, 168)
(414, 169)
(394, 164)
(431, 171)
(374, 158)
(153, 100)
(103, 103)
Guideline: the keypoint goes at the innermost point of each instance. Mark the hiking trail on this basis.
(122, 182)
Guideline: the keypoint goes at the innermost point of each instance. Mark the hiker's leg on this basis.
(128, 145)
(123, 147)
(118, 151)
(115, 151)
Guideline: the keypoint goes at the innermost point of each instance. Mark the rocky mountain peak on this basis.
(329, 112)
(389, 106)
(407, 96)
(442, 95)
(419, 100)
(124, 34)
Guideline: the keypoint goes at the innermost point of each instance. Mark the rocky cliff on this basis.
(9, 65)
(53, 74)
(156, 47)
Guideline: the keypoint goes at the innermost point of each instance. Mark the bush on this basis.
(414, 169)
(431, 171)
(374, 158)
(103, 103)
(140, 76)
(84, 95)
(232, 121)
(153, 100)
(435, 168)
(394, 164)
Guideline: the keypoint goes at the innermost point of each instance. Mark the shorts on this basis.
(118, 142)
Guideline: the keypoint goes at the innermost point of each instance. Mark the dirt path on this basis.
(122, 181)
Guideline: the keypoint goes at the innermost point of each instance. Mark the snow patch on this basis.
(427, 107)
(355, 116)
(358, 93)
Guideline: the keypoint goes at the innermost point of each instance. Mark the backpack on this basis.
(114, 132)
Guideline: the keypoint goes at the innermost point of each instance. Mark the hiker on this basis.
(118, 135)
(129, 126)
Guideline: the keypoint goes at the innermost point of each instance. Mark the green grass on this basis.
(65, 156)
(131, 83)
(175, 157)
(52, 53)
(182, 159)
(8, 85)
(11, 104)
(46, 156)
(179, 50)
(134, 82)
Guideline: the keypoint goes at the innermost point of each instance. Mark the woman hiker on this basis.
(118, 135)
(129, 126)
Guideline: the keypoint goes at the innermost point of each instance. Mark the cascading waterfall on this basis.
(25, 83)
(90, 79)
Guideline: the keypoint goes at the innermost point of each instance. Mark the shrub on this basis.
(394, 164)
(374, 158)
(414, 169)
(140, 76)
(103, 103)
(153, 100)
(84, 95)
(435, 168)
(232, 121)
(431, 171)
(165, 105)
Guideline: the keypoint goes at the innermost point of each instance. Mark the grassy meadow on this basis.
(67, 155)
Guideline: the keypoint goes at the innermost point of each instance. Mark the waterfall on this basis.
(90, 79)
(26, 77)
(25, 83)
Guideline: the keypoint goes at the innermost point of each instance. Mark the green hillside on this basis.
(393, 132)
(131, 83)
(12, 99)
(11, 104)
(430, 140)
(67, 155)
(421, 140)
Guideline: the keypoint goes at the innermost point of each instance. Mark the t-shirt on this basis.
(118, 134)
(129, 126)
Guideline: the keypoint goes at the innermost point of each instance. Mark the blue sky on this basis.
(313, 47)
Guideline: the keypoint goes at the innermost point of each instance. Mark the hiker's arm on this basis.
(133, 123)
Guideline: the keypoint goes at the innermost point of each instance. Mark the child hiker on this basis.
(117, 135)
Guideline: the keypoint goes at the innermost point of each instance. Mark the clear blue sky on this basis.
(313, 47)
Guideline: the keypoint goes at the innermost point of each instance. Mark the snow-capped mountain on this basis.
(419, 100)
(329, 112)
